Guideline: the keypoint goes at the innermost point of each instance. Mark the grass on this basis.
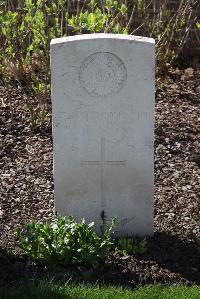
(51, 291)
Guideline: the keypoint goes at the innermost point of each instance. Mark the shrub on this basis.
(107, 16)
(169, 26)
(65, 242)
(27, 27)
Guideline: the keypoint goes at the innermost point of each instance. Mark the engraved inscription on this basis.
(102, 74)
(103, 162)
(111, 117)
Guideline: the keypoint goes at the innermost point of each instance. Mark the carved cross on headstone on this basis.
(103, 162)
(103, 90)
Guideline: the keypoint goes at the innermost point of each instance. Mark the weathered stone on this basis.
(103, 129)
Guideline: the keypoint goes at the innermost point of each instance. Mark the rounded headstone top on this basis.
(101, 36)
(102, 74)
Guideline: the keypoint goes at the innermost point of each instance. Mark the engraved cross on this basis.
(103, 162)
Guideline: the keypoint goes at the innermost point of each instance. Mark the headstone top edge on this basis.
(96, 36)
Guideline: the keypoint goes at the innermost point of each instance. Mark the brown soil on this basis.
(173, 254)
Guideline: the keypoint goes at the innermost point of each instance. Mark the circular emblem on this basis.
(102, 74)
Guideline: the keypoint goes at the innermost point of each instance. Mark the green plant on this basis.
(170, 27)
(131, 245)
(27, 27)
(101, 16)
(46, 290)
(65, 242)
(26, 32)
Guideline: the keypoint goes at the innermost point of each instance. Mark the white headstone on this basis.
(103, 129)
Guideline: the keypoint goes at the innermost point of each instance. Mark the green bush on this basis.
(65, 242)
(27, 27)
(107, 17)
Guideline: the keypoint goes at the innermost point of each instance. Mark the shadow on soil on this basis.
(180, 257)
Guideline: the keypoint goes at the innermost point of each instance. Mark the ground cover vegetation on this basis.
(46, 291)
(65, 242)
(172, 255)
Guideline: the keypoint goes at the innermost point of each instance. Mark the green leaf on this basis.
(65, 241)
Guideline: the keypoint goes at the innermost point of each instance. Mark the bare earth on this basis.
(26, 193)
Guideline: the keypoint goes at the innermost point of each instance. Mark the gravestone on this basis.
(103, 129)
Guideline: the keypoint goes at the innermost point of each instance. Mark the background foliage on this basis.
(27, 27)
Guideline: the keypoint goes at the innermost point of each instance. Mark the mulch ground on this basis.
(173, 254)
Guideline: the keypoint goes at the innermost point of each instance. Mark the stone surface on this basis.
(103, 129)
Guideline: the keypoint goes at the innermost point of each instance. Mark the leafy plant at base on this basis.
(131, 246)
(65, 242)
